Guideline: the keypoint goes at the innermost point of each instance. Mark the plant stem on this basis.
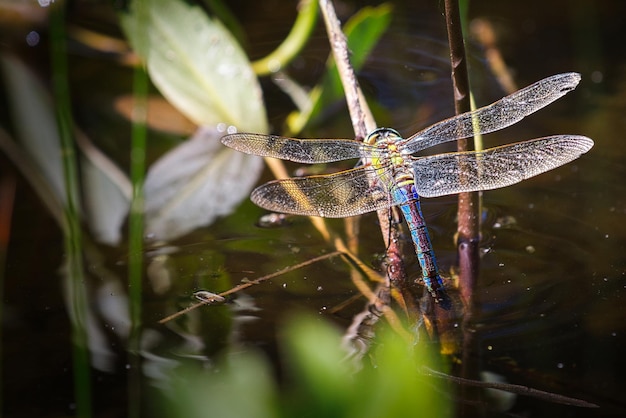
(467, 212)
(293, 44)
(468, 234)
(76, 292)
(135, 245)
(363, 123)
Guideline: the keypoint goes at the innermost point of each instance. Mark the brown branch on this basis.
(214, 298)
(468, 228)
(512, 388)
(467, 211)
(363, 123)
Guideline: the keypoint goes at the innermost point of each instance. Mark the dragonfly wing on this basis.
(308, 151)
(347, 193)
(505, 112)
(458, 172)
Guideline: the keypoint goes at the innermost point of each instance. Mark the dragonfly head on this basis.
(382, 135)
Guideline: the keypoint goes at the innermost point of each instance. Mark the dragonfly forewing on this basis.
(444, 174)
(498, 115)
(309, 151)
(348, 193)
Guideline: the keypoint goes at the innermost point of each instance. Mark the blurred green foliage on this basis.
(319, 380)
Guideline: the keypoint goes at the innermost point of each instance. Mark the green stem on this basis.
(77, 295)
(135, 264)
(293, 44)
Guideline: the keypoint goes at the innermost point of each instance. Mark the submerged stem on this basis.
(73, 240)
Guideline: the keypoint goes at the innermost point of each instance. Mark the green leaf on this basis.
(196, 64)
(323, 383)
(318, 380)
(396, 385)
(363, 31)
(241, 386)
(316, 357)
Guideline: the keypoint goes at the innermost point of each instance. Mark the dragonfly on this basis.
(390, 174)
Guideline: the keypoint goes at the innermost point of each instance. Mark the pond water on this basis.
(550, 312)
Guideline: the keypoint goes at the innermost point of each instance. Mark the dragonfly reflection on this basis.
(392, 176)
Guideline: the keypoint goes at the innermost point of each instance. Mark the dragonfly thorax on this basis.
(390, 155)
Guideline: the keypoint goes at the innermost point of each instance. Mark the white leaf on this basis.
(196, 64)
(106, 203)
(196, 182)
(107, 192)
(34, 121)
